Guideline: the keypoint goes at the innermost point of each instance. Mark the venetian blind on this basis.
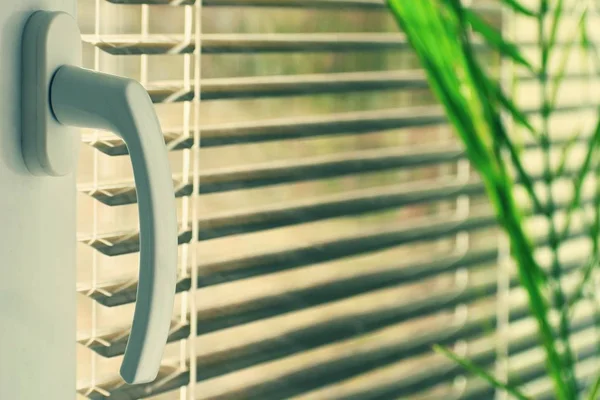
(331, 229)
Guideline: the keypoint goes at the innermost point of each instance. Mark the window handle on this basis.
(72, 96)
(85, 98)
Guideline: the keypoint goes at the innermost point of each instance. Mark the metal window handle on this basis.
(58, 94)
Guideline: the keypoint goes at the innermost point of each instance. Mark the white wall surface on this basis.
(37, 243)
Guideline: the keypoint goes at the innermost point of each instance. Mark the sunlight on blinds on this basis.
(331, 229)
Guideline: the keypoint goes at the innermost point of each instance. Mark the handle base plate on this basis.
(50, 40)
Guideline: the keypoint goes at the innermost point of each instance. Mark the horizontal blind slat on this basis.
(346, 4)
(133, 44)
(318, 334)
(292, 85)
(360, 4)
(262, 308)
(305, 169)
(341, 368)
(267, 307)
(273, 173)
(280, 260)
(421, 381)
(347, 123)
(326, 292)
(115, 244)
(476, 388)
(301, 85)
(347, 367)
(340, 205)
(353, 203)
(479, 389)
(355, 122)
(239, 43)
(124, 243)
(119, 293)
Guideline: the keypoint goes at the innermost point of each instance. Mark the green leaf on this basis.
(469, 366)
(566, 151)
(440, 34)
(439, 62)
(585, 279)
(506, 141)
(564, 59)
(556, 19)
(495, 39)
(585, 40)
(593, 394)
(594, 231)
(519, 8)
(500, 193)
(514, 111)
(490, 93)
(585, 168)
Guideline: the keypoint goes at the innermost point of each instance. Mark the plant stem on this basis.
(556, 285)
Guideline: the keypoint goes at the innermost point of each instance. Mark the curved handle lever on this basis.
(85, 98)
(55, 88)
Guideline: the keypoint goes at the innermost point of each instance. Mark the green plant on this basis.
(445, 36)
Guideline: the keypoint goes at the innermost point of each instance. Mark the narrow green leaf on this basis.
(594, 231)
(547, 44)
(564, 59)
(506, 141)
(556, 19)
(519, 8)
(514, 111)
(585, 279)
(440, 33)
(582, 173)
(585, 40)
(595, 390)
(474, 369)
(500, 192)
(442, 78)
(566, 151)
(490, 93)
(527, 269)
(495, 39)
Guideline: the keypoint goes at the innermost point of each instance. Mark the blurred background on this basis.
(331, 229)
